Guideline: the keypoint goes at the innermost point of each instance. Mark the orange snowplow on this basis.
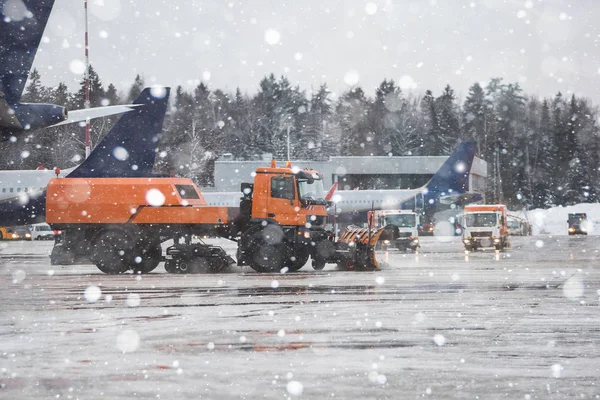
(119, 224)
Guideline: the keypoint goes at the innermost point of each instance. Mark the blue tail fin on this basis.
(129, 149)
(22, 25)
(453, 175)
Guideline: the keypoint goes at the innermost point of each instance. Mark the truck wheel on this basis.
(265, 247)
(298, 263)
(345, 265)
(318, 263)
(268, 257)
(111, 252)
(171, 267)
(149, 258)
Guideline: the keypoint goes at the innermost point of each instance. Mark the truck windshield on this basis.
(480, 220)
(401, 220)
(312, 191)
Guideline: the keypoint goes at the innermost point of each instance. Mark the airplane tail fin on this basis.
(329, 194)
(22, 25)
(453, 175)
(129, 149)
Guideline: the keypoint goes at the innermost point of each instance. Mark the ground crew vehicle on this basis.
(485, 226)
(120, 223)
(518, 226)
(7, 233)
(577, 224)
(41, 232)
(401, 228)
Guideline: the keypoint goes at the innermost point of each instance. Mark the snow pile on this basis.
(553, 221)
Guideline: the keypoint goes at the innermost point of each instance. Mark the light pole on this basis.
(288, 142)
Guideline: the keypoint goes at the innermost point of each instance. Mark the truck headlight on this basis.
(306, 234)
(386, 242)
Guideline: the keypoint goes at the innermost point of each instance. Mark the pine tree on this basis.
(96, 91)
(477, 115)
(111, 96)
(33, 91)
(351, 112)
(136, 88)
(448, 122)
(543, 196)
(60, 95)
(311, 146)
(432, 134)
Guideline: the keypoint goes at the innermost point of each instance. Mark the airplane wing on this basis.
(22, 23)
(96, 112)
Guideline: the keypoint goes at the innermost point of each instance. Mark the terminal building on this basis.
(359, 173)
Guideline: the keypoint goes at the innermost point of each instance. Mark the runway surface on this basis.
(521, 324)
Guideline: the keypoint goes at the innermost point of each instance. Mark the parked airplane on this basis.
(449, 184)
(22, 25)
(128, 150)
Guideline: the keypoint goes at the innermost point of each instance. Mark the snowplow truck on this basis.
(401, 229)
(485, 226)
(119, 224)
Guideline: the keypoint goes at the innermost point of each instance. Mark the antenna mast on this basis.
(87, 84)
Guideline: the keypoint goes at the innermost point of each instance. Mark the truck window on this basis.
(480, 220)
(187, 191)
(282, 187)
(401, 220)
(311, 191)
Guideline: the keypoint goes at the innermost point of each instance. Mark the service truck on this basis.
(402, 228)
(578, 224)
(485, 226)
(119, 224)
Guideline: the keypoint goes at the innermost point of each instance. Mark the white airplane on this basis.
(449, 183)
(22, 184)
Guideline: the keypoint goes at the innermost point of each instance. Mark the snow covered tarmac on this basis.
(520, 324)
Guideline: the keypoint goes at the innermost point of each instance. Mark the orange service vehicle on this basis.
(119, 223)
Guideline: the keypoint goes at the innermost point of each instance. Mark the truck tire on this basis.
(318, 263)
(266, 248)
(299, 262)
(112, 251)
(268, 257)
(149, 258)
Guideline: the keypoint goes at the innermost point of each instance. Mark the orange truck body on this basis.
(129, 200)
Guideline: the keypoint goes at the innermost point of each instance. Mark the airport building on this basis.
(355, 172)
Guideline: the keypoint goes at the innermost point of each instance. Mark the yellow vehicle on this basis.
(15, 233)
(6, 233)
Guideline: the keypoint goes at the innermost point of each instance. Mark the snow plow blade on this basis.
(355, 249)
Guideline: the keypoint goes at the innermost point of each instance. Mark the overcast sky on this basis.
(546, 46)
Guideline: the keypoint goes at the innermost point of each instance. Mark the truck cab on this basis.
(485, 226)
(403, 232)
(283, 215)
